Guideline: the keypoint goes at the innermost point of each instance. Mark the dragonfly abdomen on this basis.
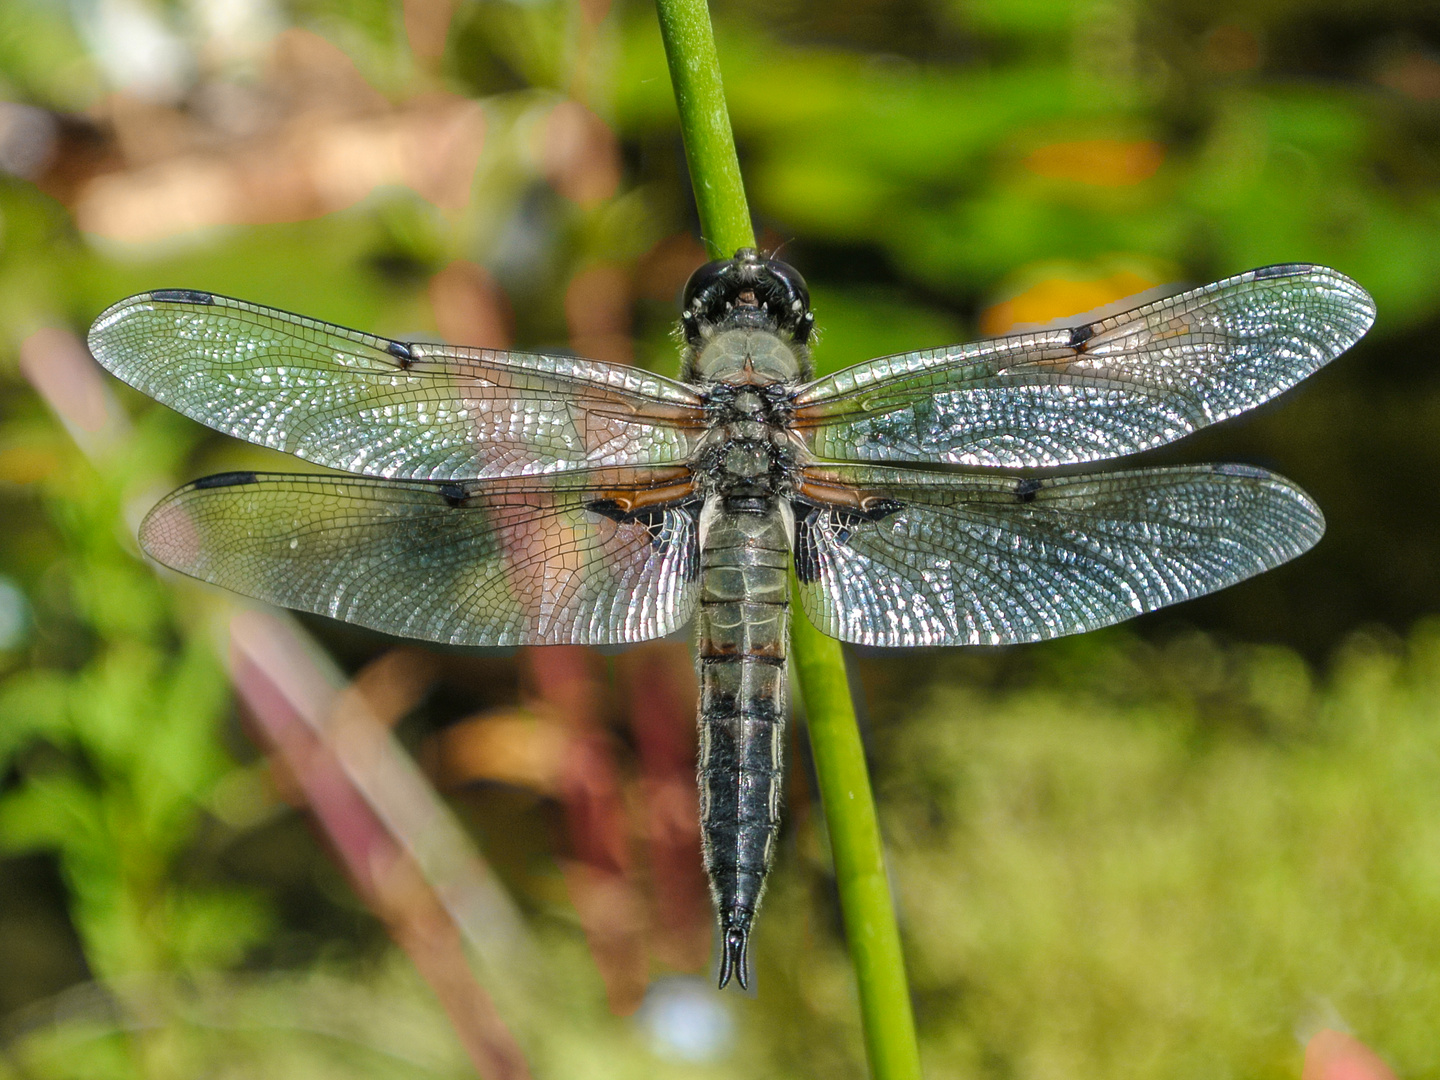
(742, 634)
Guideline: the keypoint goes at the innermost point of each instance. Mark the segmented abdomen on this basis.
(742, 633)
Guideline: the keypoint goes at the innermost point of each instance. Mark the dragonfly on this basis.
(499, 498)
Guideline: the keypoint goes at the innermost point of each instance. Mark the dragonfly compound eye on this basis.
(748, 289)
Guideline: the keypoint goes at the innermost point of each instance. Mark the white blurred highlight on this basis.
(136, 50)
(686, 1020)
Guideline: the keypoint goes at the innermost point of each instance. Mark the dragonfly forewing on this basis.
(365, 404)
(1099, 390)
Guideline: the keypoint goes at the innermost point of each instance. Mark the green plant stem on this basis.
(705, 125)
(855, 846)
(874, 938)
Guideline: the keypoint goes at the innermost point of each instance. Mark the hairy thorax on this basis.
(748, 355)
(748, 457)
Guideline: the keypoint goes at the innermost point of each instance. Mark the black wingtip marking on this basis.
(1026, 489)
(1282, 270)
(183, 296)
(1079, 335)
(225, 479)
(401, 352)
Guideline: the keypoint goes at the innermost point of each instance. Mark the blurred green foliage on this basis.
(1156, 860)
(1156, 851)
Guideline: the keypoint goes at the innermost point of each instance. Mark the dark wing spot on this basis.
(454, 494)
(401, 352)
(1282, 270)
(690, 567)
(653, 519)
(653, 522)
(880, 509)
(183, 296)
(225, 479)
(608, 508)
(840, 523)
(807, 560)
(1081, 334)
(1232, 469)
(1025, 489)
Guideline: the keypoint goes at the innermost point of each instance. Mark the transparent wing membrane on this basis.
(572, 559)
(365, 404)
(512, 498)
(924, 558)
(1112, 387)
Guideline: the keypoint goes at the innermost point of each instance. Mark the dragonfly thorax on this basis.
(747, 356)
(748, 453)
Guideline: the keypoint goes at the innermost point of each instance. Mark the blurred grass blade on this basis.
(388, 779)
(406, 856)
(59, 366)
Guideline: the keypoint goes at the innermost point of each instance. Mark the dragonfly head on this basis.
(746, 291)
(746, 320)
